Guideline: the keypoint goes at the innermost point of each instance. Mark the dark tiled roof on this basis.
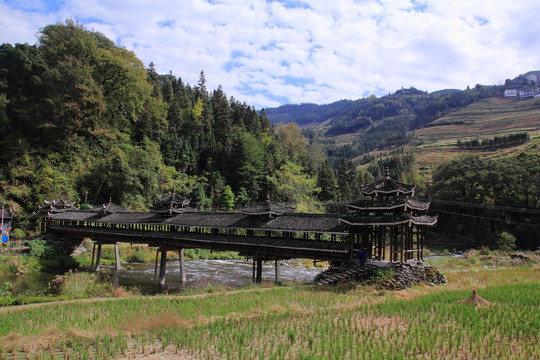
(266, 208)
(388, 186)
(171, 203)
(324, 223)
(369, 204)
(418, 205)
(207, 219)
(359, 220)
(59, 203)
(109, 208)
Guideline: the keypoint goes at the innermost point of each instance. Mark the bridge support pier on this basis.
(182, 265)
(162, 267)
(258, 278)
(278, 273)
(117, 256)
(98, 256)
(93, 257)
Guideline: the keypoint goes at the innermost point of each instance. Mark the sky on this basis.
(275, 52)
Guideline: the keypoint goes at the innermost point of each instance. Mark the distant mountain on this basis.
(351, 129)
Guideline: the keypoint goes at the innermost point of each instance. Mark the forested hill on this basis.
(84, 119)
(406, 109)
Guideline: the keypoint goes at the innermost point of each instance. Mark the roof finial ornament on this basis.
(386, 172)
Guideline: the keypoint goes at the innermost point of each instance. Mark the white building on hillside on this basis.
(526, 93)
(510, 93)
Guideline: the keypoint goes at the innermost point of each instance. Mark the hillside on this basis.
(484, 119)
(430, 125)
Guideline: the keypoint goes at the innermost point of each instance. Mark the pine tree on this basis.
(327, 182)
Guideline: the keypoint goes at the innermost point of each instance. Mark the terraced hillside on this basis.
(482, 120)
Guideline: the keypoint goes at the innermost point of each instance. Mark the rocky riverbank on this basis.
(389, 276)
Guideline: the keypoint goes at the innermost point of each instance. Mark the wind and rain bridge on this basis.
(387, 222)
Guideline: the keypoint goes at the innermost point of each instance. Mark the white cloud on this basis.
(266, 53)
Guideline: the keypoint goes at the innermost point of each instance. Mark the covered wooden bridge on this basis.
(387, 223)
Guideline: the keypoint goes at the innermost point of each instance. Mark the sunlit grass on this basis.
(294, 323)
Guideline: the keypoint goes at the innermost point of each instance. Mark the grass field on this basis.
(424, 322)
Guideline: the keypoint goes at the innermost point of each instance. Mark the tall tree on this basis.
(326, 181)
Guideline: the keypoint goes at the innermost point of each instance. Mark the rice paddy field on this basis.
(303, 322)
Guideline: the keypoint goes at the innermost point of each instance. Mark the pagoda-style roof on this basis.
(59, 203)
(56, 206)
(109, 208)
(374, 204)
(387, 185)
(267, 208)
(363, 220)
(171, 204)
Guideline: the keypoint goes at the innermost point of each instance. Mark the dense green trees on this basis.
(479, 198)
(83, 118)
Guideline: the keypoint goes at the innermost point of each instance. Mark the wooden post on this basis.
(351, 243)
(182, 267)
(162, 267)
(421, 243)
(278, 272)
(402, 243)
(383, 237)
(117, 256)
(258, 279)
(98, 256)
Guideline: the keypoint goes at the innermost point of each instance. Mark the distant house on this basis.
(537, 92)
(520, 80)
(510, 93)
(526, 93)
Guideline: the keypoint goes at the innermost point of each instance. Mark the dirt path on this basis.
(102, 299)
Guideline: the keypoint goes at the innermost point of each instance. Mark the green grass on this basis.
(294, 323)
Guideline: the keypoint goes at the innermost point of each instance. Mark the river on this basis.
(199, 274)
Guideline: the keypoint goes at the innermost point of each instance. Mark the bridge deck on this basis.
(266, 248)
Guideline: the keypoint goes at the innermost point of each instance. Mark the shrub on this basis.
(506, 242)
(41, 249)
(77, 285)
(18, 234)
(140, 254)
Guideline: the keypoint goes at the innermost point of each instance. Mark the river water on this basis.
(199, 274)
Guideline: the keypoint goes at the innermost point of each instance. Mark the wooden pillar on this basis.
(421, 243)
(98, 256)
(278, 273)
(351, 244)
(182, 267)
(383, 236)
(162, 267)
(258, 279)
(254, 269)
(402, 243)
(117, 256)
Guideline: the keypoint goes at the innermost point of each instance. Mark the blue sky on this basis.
(269, 53)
